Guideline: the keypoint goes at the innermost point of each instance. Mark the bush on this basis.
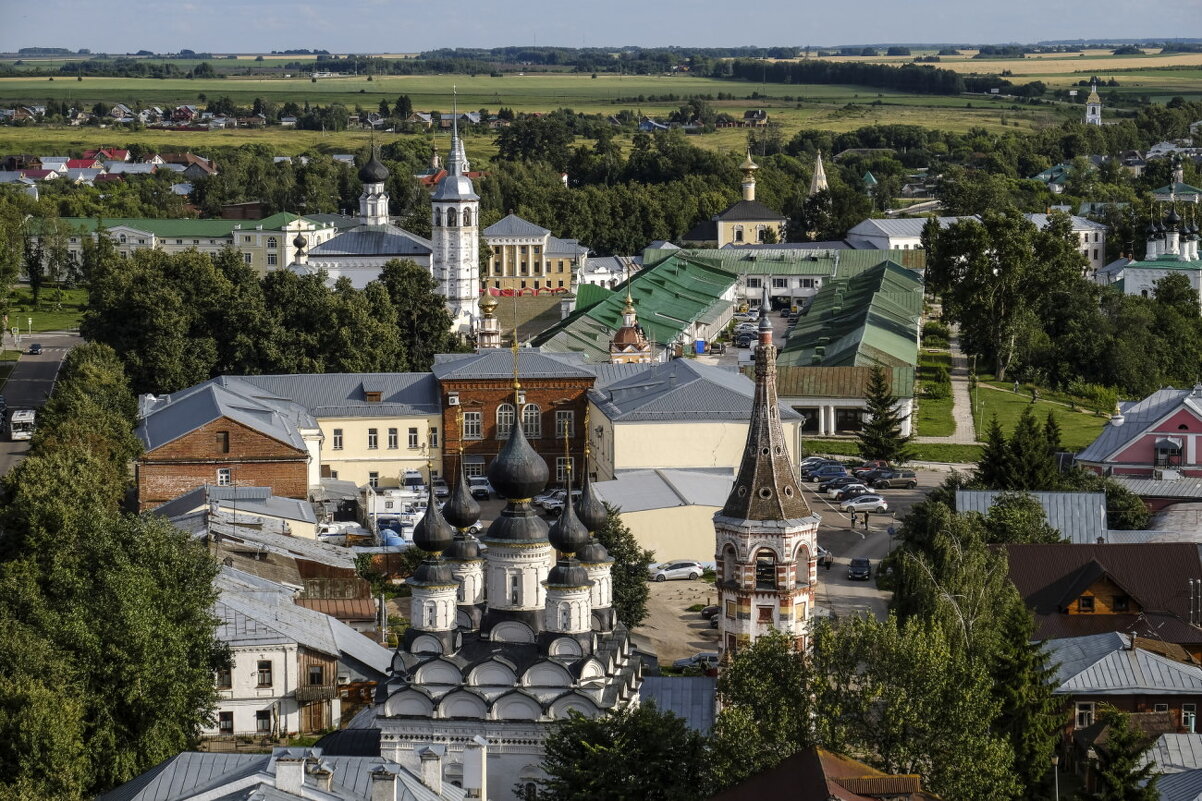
(935, 334)
(940, 386)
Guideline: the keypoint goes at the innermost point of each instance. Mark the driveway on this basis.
(30, 384)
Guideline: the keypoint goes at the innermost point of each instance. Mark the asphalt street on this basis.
(30, 384)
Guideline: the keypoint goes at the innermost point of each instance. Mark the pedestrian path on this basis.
(966, 430)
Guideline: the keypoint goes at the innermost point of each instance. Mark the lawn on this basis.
(49, 315)
(1077, 429)
(921, 452)
(934, 414)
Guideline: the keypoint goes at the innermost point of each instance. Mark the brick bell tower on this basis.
(766, 549)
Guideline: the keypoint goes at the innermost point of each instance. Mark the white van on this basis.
(21, 424)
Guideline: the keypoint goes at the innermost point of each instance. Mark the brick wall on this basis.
(193, 460)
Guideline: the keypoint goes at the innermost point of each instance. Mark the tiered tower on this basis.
(596, 560)
(766, 534)
(1093, 106)
(467, 565)
(455, 236)
(629, 345)
(432, 606)
(488, 330)
(373, 203)
(748, 167)
(818, 182)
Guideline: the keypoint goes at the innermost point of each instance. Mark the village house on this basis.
(1156, 437)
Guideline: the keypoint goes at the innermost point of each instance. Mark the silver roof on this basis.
(1185, 786)
(515, 226)
(1157, 488)
(1176, 753)
(690, 698)
(1138, 417)
(642, 490)
(243, 500)
(374, 240)
(167, 418)
(1078, 223)
(901, 226)
(498, 363)
(344, 394)
(681, 390)
(1104, 664)
(1080, 517)
(250, 531)
(252, 776)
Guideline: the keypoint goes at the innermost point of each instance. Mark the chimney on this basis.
(431, 769)
(325, 776)
(475, 768)
(383, 784)
(290, 775)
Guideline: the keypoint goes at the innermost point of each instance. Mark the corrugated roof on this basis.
(513, 225)
(690, 698)
(1185, 786)
(373, 240)
(185, 411)
(681, 390)
(1105, 664)
(1080, 517)
(1139, 417)
(498, 363)
(749, 210)
(1176, 753)
(899, 226)
(793, 381)
(642, 490)
(343, 394)
(245, 500)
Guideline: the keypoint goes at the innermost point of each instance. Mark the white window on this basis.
(753, 283)
(272, 260)
(505, 415)
(532, 420)
(1085, 714)
(476, 469)
(225, 476)
(1189, 717)
(433, 437)
(563, 465)
(246, 258)
(373, 438)
(413, 438)
(780, 283)
(272, 242)
(473, 425)
(392, 439)
(337, 439)
(565, 424)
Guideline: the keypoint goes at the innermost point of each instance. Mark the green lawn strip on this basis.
(922, 452)
(50, 314)
(1077, 429)
(934, 418)
(1044, 393)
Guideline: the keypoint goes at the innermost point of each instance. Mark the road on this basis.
(29, 385)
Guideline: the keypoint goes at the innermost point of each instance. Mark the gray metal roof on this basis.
(1080, 517)
(690, 698)
(681, 390)
(344, 394)
(374, 240)
(248, 530)
(1185, 488)
(564, 247)
(243, 500)
(1185, 786)
(642, 490)
(1138, 417)
(498, 363)
(1176, 753)
(515, 226)
(610, 373)
(167, 418)
(1104, 664)
(250, 776)
(901, 226)
(1078, 223)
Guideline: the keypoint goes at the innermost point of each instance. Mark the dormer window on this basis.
(372, 397)
(1085, 604)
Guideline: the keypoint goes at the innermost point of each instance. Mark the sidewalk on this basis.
(966, 430)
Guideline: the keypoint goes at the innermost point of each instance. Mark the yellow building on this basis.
(747, 222)
(526, 256)
(670, 512)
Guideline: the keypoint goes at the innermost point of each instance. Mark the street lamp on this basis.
(1056, 774)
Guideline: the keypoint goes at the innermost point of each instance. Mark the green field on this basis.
(934, 414)
(51, 314)
(921, 452)
(1077, 429)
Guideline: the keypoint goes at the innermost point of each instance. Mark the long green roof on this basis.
(868, 318)
(183, 227)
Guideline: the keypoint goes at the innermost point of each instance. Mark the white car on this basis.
(745, 316)
(675, 570)
(705, 661)
(865, 503)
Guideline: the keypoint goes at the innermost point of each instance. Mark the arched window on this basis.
(451, 218)
(272, 242)
(565, 617)
(505, 415)
(121, 239)
(728, 564)
(431, 615)
(532, 420)
(467, 216)
(802, 567)
(759, 233)
(437, 218)
(765, 570)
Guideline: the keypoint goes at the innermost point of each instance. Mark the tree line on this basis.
(179, 319)
(107, 646)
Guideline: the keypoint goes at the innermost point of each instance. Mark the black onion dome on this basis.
(298, 241)
(568, 573)
(465, 548)
(433, 534)
(462, 511)
(518, 523)
(1172, 218)
(590, 510)
(568, 534)
(518, 472)
(432, 572)
(1150, 228)
(593, 554)
(374, 171)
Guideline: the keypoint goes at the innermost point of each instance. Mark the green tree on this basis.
(629, 571)
(1118, 772)
(881, 436)
(1032, 462)
(639, 752)
(1018, 517)
(422, 318)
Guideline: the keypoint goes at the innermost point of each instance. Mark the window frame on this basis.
(320, 672)
(506, 416)
(373, 439)
(532, 421)
(267, 672)
(473, 426)
(393, 438)
(565, 423)
(413, 440)
(336, 439)
(225, 476)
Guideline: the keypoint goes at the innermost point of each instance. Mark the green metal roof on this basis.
(868, 318)
(835, 382)
(590, 294)
(1164, 263)
(185, 227)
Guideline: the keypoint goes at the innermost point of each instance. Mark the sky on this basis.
(405, 26)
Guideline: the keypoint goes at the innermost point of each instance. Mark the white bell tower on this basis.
(456, 237)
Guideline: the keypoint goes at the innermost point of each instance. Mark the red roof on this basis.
(73, 164)
(107, 153)
(37, 175)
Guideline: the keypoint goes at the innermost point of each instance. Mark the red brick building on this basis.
(208, 435)
(479, 386)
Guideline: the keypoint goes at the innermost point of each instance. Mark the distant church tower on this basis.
(455, 237)
(629, 345)
(748, 167)
(1093, 106)
(818, 182)
(766, 534)
(373, 203)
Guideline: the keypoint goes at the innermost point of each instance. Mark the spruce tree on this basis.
(1119, 772)
(994, 469)
(881, 437)
(1032, 464)
(1051, 431)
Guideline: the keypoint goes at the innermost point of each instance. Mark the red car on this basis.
(867, 467)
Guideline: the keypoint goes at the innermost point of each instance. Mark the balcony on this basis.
(316, 692)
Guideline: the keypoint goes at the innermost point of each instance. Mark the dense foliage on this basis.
(106, 667)
(881, 436)
(629, 572)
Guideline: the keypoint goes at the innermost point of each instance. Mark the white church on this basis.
(451, 254)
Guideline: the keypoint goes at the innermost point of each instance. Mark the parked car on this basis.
(896, 478)
(865, 503)
(860, 569)
(744, 341)
(826, 472)
(710, 612)
(441, 490)
(852, 491)
(837, 482)
(868, 467)
(553, 506)
(675, 570)
(813, 460)
(35, 349)
(705, 661)
(785, 311)
(543, 497)
(835, 490)
(480, 488)
(807, 469)
(744, 316)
